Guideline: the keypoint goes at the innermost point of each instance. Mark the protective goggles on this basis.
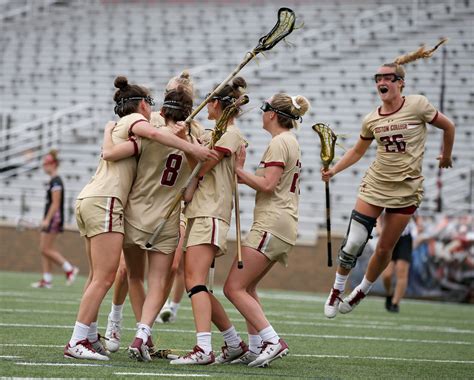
(392, 77)
(226, 98)
(267, 107)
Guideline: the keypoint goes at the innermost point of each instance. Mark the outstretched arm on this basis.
(348, 159)
(115, 152)
(442, 122)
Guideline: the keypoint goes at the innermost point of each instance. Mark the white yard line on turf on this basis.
(164, 374)
(63, 364)
(9, 357)
(385, 358)
(166, 330)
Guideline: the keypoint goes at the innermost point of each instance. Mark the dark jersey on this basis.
(55, 184)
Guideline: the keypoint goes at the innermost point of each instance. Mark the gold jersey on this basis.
(114, 179)
(277, 212)
(395, 173)
(213, 196)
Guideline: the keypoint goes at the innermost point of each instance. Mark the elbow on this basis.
(268, 189)
(107, 156)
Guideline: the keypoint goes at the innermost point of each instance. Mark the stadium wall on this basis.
(307, 269)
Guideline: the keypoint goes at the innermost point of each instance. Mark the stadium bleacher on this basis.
(61, 57)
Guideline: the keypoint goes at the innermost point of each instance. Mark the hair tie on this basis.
(293, 101)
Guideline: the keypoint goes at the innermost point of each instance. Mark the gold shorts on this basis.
(207, 230)
(97, 215)
(166, 242)
(392, 194)
(272, 247)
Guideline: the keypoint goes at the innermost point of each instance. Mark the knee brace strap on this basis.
(197, 289)
(357, 235)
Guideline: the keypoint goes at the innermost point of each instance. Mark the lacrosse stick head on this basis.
(283, 27)
(227, 113)
(328, 142)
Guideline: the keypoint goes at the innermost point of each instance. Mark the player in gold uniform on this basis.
(100, 205)
(274, 229)
(394, 180)
(209, 215)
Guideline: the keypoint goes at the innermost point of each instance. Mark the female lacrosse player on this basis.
(209, 214)
(274, 229)
(393, 182)
(52, 225)
(137, 290)
(99, 209)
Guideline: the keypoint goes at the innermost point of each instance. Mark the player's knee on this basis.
(197, 289)
(357, 235)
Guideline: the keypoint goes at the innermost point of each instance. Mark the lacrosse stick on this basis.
(283, 27)
(210, 279)
(328, 142)
(240, 263)
(27, 224)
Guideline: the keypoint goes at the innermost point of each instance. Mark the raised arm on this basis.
(348, 159)
(115, 152)
(442, 122)
(267, 183)
(144, 129)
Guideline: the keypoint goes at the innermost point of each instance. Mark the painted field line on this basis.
(63, 364)
(164, 374)
(31, 345)
(180, 331)
(9, 357)
(386, 358)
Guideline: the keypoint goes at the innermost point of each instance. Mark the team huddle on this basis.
(147, 159)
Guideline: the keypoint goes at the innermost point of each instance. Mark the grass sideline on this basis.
(426, 340)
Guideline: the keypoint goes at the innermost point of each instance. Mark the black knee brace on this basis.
(197, 289)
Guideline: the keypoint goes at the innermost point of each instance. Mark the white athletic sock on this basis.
(231, 337)
(79, 333)
(174, 307)
(143, 332)
(92, 334)
(255, 343)
(48, 277)
(365, 285)
(204, 341)
(116, 313)
(340, 282)
(268, 334)
(67, 267)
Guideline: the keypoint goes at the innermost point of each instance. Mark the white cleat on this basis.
(196, 356)
(83, 350)
(246, 358)
(270, 352)
(330, 307)
(113, 335)
(166, 315)
(230, 353)
(42, 284)
(351, 301)
(71, 276)
(139, 351)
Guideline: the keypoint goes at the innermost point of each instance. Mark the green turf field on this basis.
(427, 340)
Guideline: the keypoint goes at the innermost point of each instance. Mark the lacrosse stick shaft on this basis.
(240, 263)
(328, 224)
(247, 59)
(212, 270)
(176, 201)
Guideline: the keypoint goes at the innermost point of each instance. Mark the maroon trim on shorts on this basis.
(274, 163)
(111, 211)
(391, 113)
(409, 210)
(366, 138)
(213, 234)
(434, 119)
(262, 242)
(130, 132)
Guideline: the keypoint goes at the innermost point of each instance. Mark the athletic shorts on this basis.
(98, 215)
(165, 243)
(403, 249)
(272, 247)
(207, 230)
(55, 226)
